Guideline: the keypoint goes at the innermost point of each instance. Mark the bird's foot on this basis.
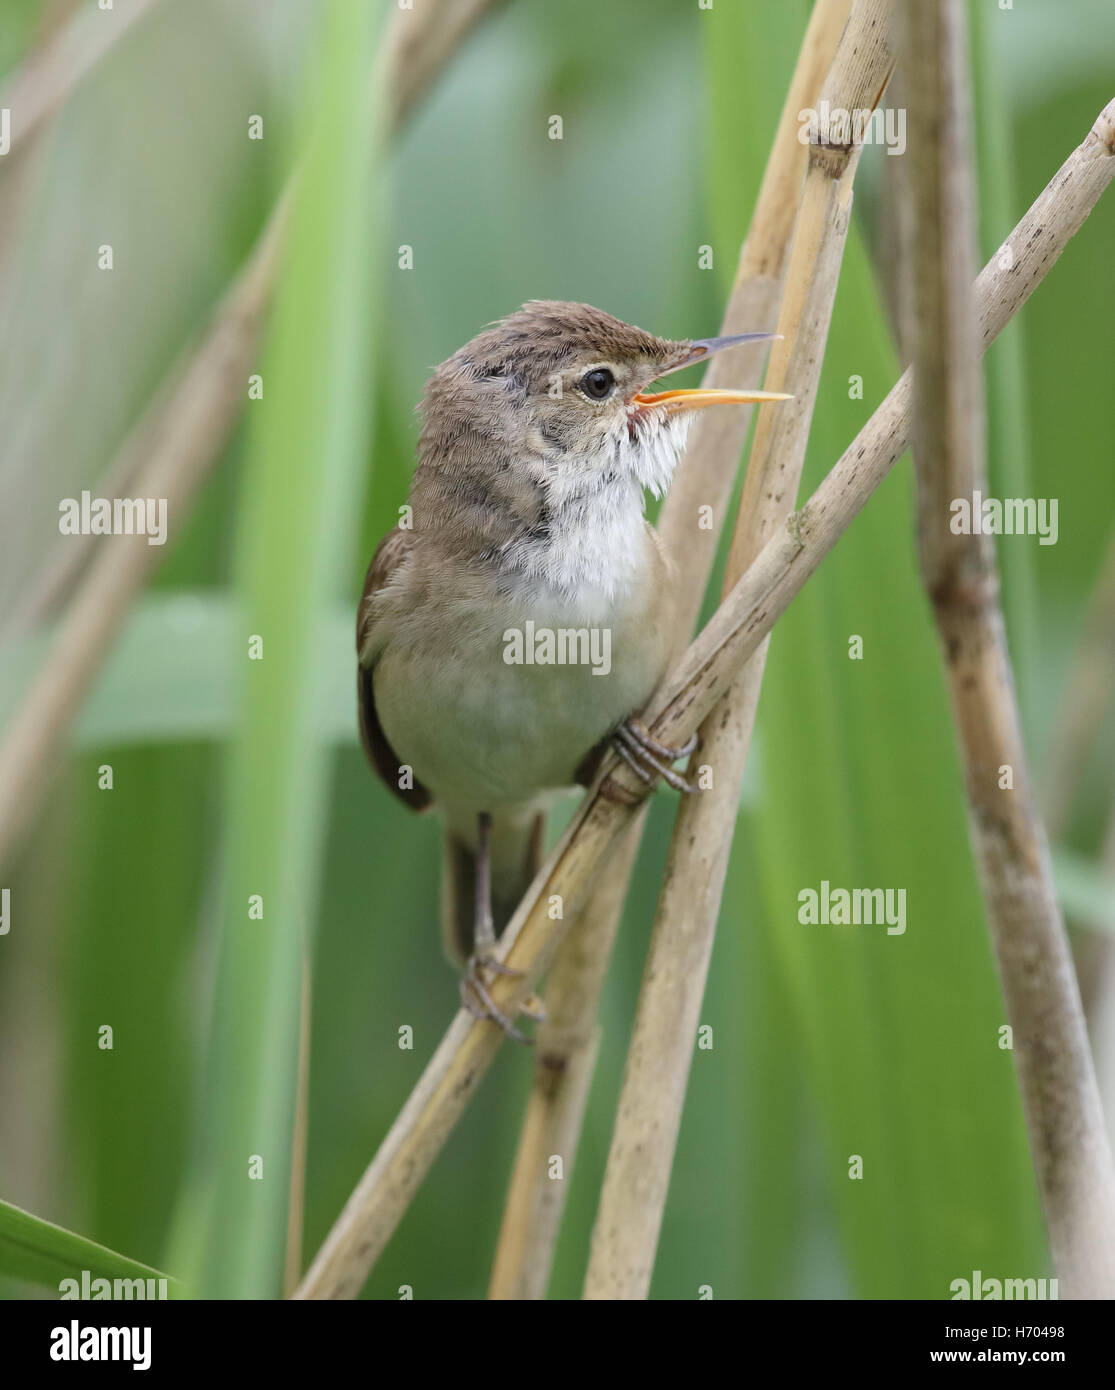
(483, 964)
(477, 999)
(648, 758)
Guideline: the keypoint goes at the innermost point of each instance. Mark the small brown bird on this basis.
(522, 613)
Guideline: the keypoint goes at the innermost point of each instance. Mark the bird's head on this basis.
(568, 383)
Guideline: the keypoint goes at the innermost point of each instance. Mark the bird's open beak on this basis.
(673, 402)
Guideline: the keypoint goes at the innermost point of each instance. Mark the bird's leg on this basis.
(474, 986)
(638, 748)
(484, 936)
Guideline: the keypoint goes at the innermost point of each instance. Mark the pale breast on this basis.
(495, 698)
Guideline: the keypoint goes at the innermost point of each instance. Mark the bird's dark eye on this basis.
(598, 383)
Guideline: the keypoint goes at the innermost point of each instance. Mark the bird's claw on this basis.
(640, 750)
(476, 998)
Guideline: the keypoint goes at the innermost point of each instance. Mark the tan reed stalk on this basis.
(633, 1197)
(1060, 1098)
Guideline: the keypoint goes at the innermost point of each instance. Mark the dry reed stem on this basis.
(43, 82)
(1060, 1097)
(1096, 953)
(633, 1197)
(189, 434)
(524, 1254)
(736, 630)
(565, 1055)
(179, 440)
(708, 471)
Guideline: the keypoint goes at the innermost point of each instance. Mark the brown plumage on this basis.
(381, 755)
(526, 514)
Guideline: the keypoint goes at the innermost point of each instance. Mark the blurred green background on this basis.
(129, 904)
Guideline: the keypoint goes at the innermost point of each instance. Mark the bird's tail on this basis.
(516, 854)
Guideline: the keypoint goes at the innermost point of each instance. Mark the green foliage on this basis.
(42, 1253)
(295, 537)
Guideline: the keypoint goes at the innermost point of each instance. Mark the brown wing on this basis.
(390, 553)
